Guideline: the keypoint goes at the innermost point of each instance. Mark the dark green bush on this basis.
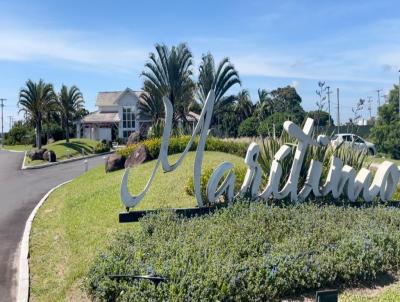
(20, 133)
(101, 147)
(249, 252)
(248, 127)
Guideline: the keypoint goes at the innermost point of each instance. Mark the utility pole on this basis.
(379, 97)
(369, 107)
(10, 118)
(329, 104)
(338, 111)
(2, 121)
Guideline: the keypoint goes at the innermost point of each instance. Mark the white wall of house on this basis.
(104, 133)
(127, 100)
(108, 108)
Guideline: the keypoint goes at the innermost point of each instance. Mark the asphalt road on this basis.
(20, 191)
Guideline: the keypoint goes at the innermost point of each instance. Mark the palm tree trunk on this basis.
(38, 135)
(66, 131)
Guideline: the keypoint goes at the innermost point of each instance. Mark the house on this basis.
(117, 116)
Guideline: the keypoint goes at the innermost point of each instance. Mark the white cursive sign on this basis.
(341, 179)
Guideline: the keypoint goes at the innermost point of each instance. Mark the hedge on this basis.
(248, 252)
(178, 143)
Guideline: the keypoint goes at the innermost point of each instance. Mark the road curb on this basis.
(25, 167)
(23, 267)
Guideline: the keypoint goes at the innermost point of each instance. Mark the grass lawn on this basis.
(66, 150)
(18, 147)
(79, 220)
(380, 159)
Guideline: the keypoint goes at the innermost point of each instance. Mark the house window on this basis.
(128, 118)
(126, 133)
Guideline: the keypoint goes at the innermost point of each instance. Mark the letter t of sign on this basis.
(304, 138)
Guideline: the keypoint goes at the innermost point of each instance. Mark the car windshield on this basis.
(358, 139)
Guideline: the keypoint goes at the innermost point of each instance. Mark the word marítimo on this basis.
(341, 179)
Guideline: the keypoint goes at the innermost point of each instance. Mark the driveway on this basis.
(20, 191)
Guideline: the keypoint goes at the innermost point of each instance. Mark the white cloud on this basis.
(80, 48)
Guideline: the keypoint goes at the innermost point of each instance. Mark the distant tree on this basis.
(243, 105)
(35, 99)
(264, 106)
(69, 101)
(286, 100)
(386, 130)
(323, 117)
(248, 128)
(272, 126)
(168, 73)
(220, 79)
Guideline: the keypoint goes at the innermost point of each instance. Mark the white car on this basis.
(353, 141)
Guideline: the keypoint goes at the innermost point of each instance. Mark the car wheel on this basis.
(371, 152)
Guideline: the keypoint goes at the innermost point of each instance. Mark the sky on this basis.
(103, 45)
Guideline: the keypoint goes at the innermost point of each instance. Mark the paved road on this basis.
(20, 191)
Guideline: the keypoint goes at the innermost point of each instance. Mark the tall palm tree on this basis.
(69, 101)
(243, 106)
(169, 72)
(35, 100)
(220, 79)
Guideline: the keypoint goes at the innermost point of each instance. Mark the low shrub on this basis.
(248, 252)
(239, 172)
(101, 147)
(178, 144)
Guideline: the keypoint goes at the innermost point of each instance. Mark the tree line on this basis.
(43, 106)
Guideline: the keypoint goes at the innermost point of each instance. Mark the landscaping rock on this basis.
(50, 140)
(133, 138)
(140, 155)
(50, 156)
(115, 162)
(36, 154)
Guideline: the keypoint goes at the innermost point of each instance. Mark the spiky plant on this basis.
(168, 73)
(220, 79)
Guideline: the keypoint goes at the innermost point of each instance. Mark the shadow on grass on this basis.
(78, 147)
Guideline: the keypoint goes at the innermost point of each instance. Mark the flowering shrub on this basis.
(248, 252)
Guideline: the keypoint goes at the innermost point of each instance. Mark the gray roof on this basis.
(99, 117)
(109, 98)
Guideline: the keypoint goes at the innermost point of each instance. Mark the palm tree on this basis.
(220, 79)
(169, 73)
(69, 101)
(264, 106)
(243, 106)
(151, 104)
(35, 100)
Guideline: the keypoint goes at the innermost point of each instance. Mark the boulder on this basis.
(140, 155)
(36, 154)
(115, 162)
(50, 140)
(134, 138)
(50, 156)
